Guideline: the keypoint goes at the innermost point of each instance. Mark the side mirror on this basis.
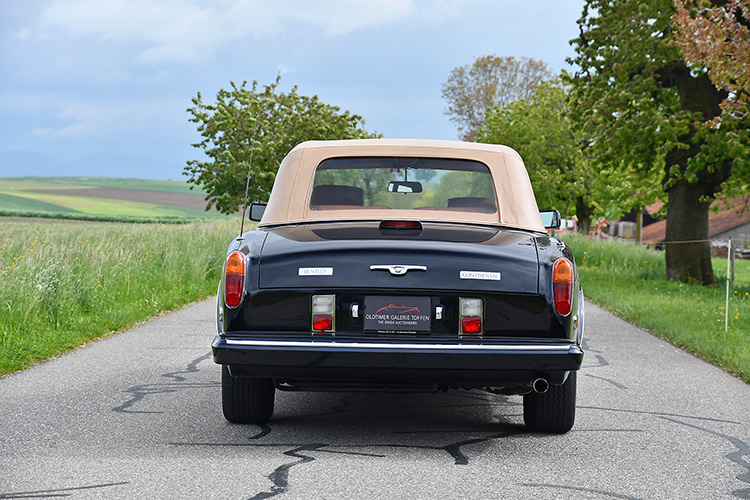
(551, 219)
(404, 187)
(256, 211)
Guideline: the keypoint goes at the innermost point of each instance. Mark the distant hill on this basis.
(27, 163)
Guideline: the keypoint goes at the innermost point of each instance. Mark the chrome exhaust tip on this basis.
(540, 385)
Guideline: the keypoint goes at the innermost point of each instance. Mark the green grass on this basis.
(64, 284)
(631, 282)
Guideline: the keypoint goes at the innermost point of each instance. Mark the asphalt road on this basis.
(138, 415)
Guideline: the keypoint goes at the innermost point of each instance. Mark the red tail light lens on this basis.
(322, 322)
(234, 279)
(562, 286)
(471, 325)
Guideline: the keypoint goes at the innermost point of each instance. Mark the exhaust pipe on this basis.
(540, 385)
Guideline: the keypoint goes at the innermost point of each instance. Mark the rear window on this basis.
(403, 183)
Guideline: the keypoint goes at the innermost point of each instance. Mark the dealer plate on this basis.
(386, 314)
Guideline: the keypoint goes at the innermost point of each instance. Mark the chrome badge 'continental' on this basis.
(316, 271)
(398, 270)
(479, 275)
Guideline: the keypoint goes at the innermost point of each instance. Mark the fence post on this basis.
(732, 258)
(726, 303)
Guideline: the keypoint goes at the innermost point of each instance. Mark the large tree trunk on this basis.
(687, 206)
(688, 254)
(583, 212)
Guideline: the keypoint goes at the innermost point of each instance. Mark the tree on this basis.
(557, 154)
(643, 105)
(489, 82)
(716, 35)
(260, 125)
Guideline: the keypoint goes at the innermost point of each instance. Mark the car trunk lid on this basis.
(433, 257)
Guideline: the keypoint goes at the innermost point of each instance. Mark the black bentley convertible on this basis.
(400, 265)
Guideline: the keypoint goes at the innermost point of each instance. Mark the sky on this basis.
(84, 82)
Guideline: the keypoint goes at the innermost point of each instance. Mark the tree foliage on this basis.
(643, 105)
(556, 152)
(252, 129)
(491, 81)
(716, 35)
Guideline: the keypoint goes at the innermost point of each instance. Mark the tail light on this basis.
(562, 286)
(323, 308)
(471, 316)
(234, 279)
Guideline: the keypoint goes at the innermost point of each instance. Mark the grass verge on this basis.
(631, 282)
(64, 284)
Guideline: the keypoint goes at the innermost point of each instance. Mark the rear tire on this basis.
(246, 400)
(553, 411)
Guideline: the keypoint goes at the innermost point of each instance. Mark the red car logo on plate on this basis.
(400, 309)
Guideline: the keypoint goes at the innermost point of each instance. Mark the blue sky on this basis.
(89, 78)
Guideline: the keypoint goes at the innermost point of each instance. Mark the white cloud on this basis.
(185, 30)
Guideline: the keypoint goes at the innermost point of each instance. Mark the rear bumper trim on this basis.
(333, 345)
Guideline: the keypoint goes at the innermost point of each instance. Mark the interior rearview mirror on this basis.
(404, 187)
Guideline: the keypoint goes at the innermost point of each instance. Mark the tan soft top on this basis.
(290, 197)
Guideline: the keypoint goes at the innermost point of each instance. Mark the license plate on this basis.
(385, 314)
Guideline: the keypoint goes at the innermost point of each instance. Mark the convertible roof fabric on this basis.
(289, 202)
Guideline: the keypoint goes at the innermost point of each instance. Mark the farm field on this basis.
(107, 199)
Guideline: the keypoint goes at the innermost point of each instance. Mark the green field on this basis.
(139, 184)
(110, 199)
(630, 281)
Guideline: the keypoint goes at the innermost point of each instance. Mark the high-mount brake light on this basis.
(400, 224)
(471, 313)
(234, 279)
(323, 309)
(562, 286)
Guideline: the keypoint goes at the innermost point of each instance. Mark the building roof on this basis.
(718, 222)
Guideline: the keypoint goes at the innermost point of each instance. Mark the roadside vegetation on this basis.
(631, 282)
(65, 284)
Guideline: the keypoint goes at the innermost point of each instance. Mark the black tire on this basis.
(553, 411)
(246, 400)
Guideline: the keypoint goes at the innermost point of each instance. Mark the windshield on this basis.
(403, 183)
